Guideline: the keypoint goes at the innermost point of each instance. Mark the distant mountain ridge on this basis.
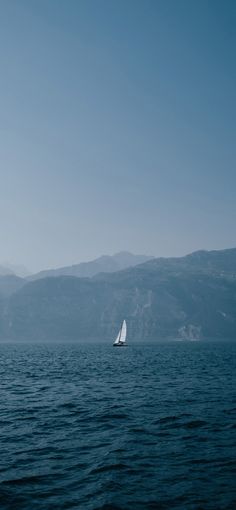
(17, 269)
(103, 264)
(5, 271)
(191, 297)
(13, 269)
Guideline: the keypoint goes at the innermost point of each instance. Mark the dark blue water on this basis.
(93, 427)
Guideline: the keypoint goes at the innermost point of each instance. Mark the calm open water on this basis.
(93, 427)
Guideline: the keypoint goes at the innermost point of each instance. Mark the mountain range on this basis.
(103, 264)
(191, 297)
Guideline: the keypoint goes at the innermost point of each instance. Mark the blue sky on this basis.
(117, 128)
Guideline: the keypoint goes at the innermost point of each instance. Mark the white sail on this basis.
(123, 332)
(117, 340)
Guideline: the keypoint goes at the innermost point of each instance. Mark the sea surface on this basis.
(92, 427)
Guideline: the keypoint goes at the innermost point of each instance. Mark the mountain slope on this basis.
(10, 284)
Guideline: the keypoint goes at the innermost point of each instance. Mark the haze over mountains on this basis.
(5, 270)
(103, 264)
(192, 297)
(18, 270)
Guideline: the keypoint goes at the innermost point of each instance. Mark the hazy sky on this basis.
(117, 128)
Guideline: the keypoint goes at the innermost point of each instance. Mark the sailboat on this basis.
(120, 340)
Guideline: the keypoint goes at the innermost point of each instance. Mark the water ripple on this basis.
(84, 427)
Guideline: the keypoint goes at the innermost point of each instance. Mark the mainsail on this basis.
(123, 332)
(121, 337)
